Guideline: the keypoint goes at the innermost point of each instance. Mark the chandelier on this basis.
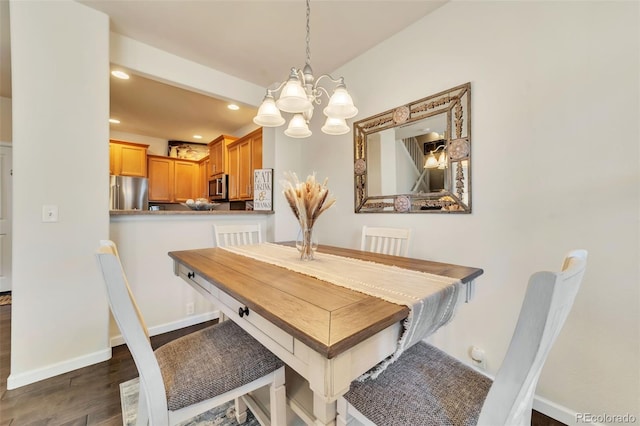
(299, 94)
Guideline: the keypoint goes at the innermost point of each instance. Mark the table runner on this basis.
(432, 299)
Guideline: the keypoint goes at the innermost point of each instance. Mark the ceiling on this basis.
(148, 107)
(257, 41)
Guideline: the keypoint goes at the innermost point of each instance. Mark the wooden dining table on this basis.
(326, 334)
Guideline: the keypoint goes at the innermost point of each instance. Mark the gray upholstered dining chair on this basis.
(425, 386)
(394, 241)
(235, 235)
(197, 372)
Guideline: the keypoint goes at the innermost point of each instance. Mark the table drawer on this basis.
(195, 279)
(270, 330)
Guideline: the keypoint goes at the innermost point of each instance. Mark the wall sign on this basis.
(263, 189)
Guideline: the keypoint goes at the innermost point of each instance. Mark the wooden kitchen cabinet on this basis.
(172, 180)
(218, 154)
(127, 158)
(161, 176)
(185, 180)
(243, 156)
(204, 168)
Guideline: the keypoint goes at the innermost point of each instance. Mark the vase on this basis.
(306, 243)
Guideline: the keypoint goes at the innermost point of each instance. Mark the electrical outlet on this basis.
(477, 356)
(190, 308)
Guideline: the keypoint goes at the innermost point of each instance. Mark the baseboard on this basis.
(558, 412)
(22, 379)
(171, 326)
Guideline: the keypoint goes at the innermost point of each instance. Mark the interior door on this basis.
(5, 217)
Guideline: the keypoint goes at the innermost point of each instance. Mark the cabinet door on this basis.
(203, 182)
(214, 157)
(233, 155)
(127, 158)
(218, 154)
(256, 150)
(161, 171)
(243, 156)
(185, 181)
(133, 161)
(245, 184)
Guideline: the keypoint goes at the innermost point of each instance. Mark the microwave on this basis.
(219, 188)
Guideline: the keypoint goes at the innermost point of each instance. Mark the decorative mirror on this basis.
(416, 158)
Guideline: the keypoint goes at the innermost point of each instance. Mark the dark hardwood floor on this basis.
(90, 395)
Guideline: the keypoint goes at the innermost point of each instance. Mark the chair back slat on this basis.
(234, 235)
(134, 332)
(394, 241)
(110, 246)
(546, 306)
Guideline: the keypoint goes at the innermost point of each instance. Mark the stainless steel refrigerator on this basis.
(128, 193)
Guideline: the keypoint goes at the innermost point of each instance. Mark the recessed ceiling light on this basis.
(114, 121)
(233, 107)
(120, 74)
(197, 137)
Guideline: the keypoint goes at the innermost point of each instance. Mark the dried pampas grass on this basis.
(307, 199)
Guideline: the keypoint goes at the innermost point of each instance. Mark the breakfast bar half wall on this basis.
(145, 237)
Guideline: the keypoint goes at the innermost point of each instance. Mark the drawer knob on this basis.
(243, 311)
(191, 274)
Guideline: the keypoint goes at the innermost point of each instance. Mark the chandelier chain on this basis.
(308, 36)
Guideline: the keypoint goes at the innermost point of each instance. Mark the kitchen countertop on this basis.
(187, 212)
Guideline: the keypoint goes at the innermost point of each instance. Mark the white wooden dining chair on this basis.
(236, 235)
(428, 387)
(394, 241)
(197, 372)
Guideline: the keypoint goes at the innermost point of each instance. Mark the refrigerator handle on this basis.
(114, 197)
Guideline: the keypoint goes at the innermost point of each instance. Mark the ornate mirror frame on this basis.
(456, 141)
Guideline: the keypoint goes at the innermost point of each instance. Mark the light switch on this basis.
(49, 213)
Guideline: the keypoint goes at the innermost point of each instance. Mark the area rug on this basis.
(224, 415)
(5, 299)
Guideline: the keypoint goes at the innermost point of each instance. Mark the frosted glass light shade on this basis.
(298, 127)
(268, 114)
(335, 126)
(431, 162)
(293, 97)
(340, 104)
(442, 162)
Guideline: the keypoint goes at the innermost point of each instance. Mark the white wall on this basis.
(286, 156)
(143, 243)
(60, 157)
(553, 85)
